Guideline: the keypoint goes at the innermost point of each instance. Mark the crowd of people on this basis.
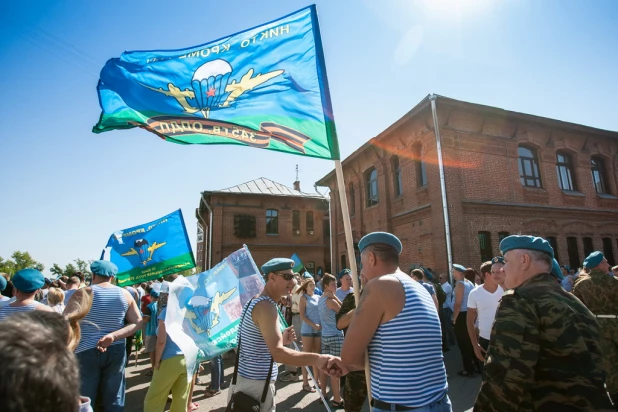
(542, 336)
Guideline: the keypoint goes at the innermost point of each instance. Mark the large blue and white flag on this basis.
(264, 87)
(203, 310)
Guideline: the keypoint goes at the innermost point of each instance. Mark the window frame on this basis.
(608, 250)
(270, 219)
(352, 200)
(485, 247)
(597, 164)
(296, 222)
(588, 245)
(310, 227)
(371, 199)
(573, 251)
(535, 168)
(419, 167)
(565, 167)
(553, 242)
(397, 178)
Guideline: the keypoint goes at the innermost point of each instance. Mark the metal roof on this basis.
(263, 186)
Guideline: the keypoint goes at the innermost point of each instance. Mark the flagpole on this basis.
(347, 227)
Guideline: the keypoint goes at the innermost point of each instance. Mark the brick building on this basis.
(505, 173)
(273, 220)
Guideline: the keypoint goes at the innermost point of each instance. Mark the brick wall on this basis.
(484, 192)
(311, 247)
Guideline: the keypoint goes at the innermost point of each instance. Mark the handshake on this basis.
(332, 366)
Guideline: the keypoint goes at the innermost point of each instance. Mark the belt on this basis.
(607, 316)
(295, 313)
(389, 406)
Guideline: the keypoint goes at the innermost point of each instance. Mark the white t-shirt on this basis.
(486, 305)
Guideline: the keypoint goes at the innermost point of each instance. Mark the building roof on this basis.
(507, 114)
(263, 186)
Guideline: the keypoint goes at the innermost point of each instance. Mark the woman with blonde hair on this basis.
(55, 299)
(310, 330)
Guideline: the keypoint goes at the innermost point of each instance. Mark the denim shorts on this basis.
(311, 334)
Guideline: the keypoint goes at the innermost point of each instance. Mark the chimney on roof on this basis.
(297, 182)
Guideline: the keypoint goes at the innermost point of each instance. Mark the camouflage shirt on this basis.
(544, 353)
(599, 292)
(355, 391)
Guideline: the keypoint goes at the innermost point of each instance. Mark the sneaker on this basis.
(290, 377)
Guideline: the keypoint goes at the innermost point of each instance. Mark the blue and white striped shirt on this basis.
(107, 314)
(254, 354)
(405, 354)
(9, 310)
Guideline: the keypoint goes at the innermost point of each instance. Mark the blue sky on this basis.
(64, 190)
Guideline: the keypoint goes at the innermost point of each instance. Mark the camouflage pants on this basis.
(355, 391)
(609, 347)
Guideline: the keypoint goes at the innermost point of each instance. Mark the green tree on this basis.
(19, 260)
(56, 270)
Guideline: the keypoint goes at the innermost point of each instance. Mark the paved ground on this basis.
(290, 396)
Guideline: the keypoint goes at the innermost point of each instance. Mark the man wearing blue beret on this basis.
(598, 290)
(26, 283)
(261, 342)
(396, 322)
(112, 315)
(544, 352)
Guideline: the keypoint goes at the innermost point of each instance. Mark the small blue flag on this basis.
(151, 250)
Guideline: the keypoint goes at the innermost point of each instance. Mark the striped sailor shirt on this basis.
(405, 354)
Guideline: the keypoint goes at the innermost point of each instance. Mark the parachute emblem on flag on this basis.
(143, 250)
(211, 83)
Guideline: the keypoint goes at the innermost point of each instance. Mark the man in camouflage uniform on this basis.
(355, 389)
(544, 352)
(598, 290)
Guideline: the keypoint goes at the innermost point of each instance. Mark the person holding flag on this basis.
(261, 342)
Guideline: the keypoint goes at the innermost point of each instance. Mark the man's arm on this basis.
(382, 300)
(511, 358)
(265, 317)
(459, 292)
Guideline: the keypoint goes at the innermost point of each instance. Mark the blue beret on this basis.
(344, 272)
(307, 275)
(555, 270)
(427, 273)
(593, 260)
(459, 268)
(526, 242)
(277, 264)
(497, 259)
(3, 283)
(103, 268)
(28, 280)
(380, 237)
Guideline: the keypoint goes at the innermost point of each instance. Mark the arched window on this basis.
(529, 174)
(371, 183)
(309, 222)
(396, 169)
(598, 175)
(296, 222)
(564, 169)
(272, 222)
(419, 166)
(352, 200)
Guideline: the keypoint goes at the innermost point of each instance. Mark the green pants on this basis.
(171, 375)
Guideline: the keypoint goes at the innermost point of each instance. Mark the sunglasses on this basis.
(286, 276)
